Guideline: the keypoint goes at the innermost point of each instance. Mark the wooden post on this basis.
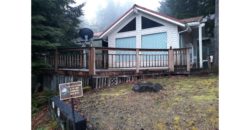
(137, 61)
(56, 59)
(209, 63)
(171, 59)
(81, 59)
(91, 61)
(188, 59)
(91, 66)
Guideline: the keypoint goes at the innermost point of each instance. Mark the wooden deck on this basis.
(96, 62)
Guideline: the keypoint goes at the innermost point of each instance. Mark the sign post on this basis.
(73, 114)
(71, 90)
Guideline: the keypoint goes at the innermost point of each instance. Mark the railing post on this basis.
(91, 67)
(91, 61)
(137, 61)
(56, 59)
(209, 63)
(171, 59)
(81, 59)
(188, 59)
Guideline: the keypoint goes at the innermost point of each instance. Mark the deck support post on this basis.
(209, 63)
(137, 61)
(91, 61)
(171, 59)
(188, 59)
(56, 59)
(91, 66)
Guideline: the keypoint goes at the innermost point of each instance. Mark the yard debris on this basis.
(146, 87)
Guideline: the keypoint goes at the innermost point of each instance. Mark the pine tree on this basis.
(192, 8)
(54, 23)
(216, 35)
(187, 8)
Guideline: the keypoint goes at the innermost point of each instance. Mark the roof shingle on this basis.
(193, 19)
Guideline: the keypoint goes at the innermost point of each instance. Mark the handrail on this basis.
(72, 49)
(122, 49)
(129, 49)
(93, 58)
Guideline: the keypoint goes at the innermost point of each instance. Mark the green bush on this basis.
(40, 99)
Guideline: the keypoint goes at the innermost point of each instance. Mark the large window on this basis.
(128, 42)
(131, 26)
(154, 41)
(148, 23)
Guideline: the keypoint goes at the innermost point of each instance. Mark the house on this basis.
(140, 27)
(136, 45)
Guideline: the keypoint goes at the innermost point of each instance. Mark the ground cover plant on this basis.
(186, 102)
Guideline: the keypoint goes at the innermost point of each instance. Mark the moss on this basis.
(178, 99)
(116, 93)
(160, 126)
(202, 98)
(194, 128)
(177, 123)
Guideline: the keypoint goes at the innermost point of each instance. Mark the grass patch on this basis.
(203, 98)
(184, 103)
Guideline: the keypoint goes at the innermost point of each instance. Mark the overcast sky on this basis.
(92, 6)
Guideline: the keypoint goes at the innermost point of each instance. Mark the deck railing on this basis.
(182, 58)
(119, 58)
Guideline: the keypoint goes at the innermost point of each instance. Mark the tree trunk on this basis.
(216, 36)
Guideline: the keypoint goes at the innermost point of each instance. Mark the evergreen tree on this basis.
(192, 8)
(54, 23)
(216, 35)
(187, 8)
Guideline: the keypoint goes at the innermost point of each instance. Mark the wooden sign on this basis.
(70, 90)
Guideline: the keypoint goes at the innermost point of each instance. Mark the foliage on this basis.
(187, 8)
(51, 124)
(39, 100)
(54, 23)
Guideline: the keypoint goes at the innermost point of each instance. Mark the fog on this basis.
(108, 11)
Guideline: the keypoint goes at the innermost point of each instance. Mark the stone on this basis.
(146, 87)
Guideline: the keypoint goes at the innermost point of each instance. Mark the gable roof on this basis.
(145, 10)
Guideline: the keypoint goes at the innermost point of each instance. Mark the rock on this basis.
(157, 87)
(146, 87)
(90, 126)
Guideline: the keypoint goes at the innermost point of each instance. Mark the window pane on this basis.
(148, 23)
(129, 27)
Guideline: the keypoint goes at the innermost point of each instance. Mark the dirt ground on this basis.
(185, 103)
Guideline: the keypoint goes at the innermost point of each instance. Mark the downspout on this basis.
(187, 28)
(200, 44)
